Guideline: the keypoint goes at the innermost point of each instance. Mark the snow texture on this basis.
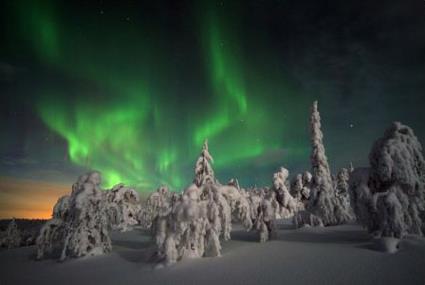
(342, 192)
(84, 229)
(387, 244)
(389, 198)
(158, 201)
(191, 224)
(319, 256)
(323, 200)
(123, 207)
(287, 204)
(194, 225)
(61, 208)
(265, 221)
(239, 204)
(203, 170)
(300, 189)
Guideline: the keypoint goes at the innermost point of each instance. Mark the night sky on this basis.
(132, 89)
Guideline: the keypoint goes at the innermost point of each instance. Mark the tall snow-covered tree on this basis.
(323, 202)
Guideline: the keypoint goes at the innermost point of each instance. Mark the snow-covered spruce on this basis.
(389, 198)
(323, 200)
(300, 189)
(61, 208)
(296, 188)
(191, 224)
(234, 195)
(123, 207)
(287, 204)
(154, 206)
(193, 227)
(255, 197)
(49, 242)
(265, 220)
(84, 229)
(50, 239)
(305, 192)
(203, 170)
(12, 237)
(239, 204)
(341, 190)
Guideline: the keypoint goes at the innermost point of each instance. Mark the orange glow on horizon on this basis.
(30, 199)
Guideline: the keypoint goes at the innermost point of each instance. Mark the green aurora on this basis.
(133, 88)
(129, 127)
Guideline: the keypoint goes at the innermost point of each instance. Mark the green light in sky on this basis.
(226, 74)
(127, 124)
(38, 22)
(226, 77)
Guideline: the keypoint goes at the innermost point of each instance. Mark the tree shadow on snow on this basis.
(243, 235)
(131, 244)
(136, 246)
(135, 251)
(325, 236)
(146, 255)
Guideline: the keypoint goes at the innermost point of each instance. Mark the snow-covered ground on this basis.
(333, 255)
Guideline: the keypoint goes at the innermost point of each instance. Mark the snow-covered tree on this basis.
(239, 204)
(49, 242)
(342, 192)
(255, 198)
(193, 227)
(234, 182)
(342, 181)
(323, 201)
(306, 218)
(123, 207)
(61, 208)
(203, 169)
(300, 189)
(12, 237)
(297, 187)
(265, 221)
(288, 205)
(155, 204)
(389, 198)
(87, 226)
(234, 195)
(307, 181)
(84, 230)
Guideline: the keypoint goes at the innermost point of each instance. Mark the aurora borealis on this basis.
(133, 88)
